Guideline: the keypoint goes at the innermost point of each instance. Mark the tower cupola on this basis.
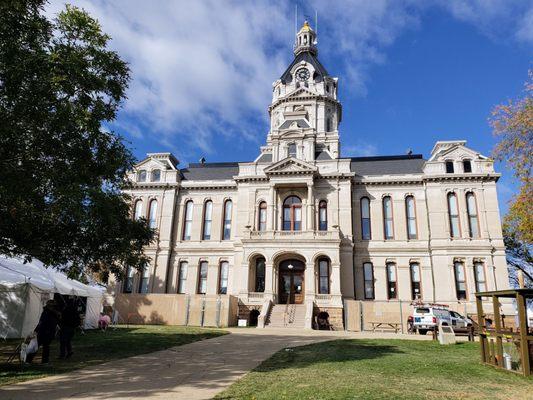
(305, 40)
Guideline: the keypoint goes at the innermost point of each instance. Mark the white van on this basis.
(426, 317)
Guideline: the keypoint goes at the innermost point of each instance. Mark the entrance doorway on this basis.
(291, 282)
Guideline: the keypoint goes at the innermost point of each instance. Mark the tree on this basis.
(63, 173)
(513, 123)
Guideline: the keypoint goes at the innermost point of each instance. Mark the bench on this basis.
(395, 326)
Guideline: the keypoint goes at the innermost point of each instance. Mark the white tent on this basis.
(25, 288)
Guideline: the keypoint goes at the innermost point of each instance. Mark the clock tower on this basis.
(305, 112)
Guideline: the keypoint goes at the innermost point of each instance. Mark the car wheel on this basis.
(422, 331)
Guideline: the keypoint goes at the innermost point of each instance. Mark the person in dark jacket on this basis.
(46, 329)
(70, 320)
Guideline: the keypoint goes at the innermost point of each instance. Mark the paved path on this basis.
(194, 371)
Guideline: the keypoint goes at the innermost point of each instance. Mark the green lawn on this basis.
(379, 369)
(96, 347)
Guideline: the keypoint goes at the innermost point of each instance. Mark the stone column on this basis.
(271, 209)
(336, 296)
(310, 281)
(310, 207)
(269, 281)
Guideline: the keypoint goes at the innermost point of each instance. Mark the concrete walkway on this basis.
(198, 370)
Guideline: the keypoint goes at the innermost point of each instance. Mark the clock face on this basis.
(302, 74)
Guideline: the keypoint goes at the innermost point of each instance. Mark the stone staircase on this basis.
(286, 316)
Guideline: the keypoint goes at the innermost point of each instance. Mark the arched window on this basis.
(292, 150)
(156, 175)
(292, 214)
(449, 167)
(460, 280)
(260, 274)
(365, 218)
(323, 216)
(416, 290)
(453, 215)
(223, 277)
(202, 278)
(127, 286)
(145, 277)
(323, 276)
(479, 275)
(368, 272)
(208, 216)
(410, 213)
(138, 209)
(226, 229)
(152, 214)
(141, 176)
(387, 218)
(392, 292)
(471, 208)
(187, 217)
(182, 276)
(262, 216)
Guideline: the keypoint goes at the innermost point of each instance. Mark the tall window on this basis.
(365, 218)
(416, 292)
(328, 124)
(471, 208)
(228, 209)
(223, 278)
(292, 214)
(145, 277)
(479, 274)
(387, 217)
(202, 278)
(182, 276)
(128, 281)
(262, 216)
(323, 276)
(141, 176)
(392, 292)
(156, 175)
(260, 275)
(410, 212)
(368, 272)
(152, 221)
(138, 209)
(323, 216)
(449, 167)
(187, 226)
(460, 280)
(467, 166)
(292, 150)
(208, 216)
(453, 213)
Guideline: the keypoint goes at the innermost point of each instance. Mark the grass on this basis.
(97, 347)
(379, 369)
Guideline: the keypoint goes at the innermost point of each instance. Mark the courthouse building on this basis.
(304, 228)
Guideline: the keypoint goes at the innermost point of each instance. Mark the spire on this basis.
(305, 40)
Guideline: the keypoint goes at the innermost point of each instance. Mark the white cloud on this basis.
(359, 149)
(203, 69)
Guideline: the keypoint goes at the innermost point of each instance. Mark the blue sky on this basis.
(411, 72)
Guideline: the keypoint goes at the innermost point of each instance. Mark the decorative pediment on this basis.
(453, 150)
(290, 166)
(158, 160)
(301, 92)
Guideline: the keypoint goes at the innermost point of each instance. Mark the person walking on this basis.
(46, 330)
(70, 320)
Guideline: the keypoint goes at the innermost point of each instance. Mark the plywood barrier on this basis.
(176, 309)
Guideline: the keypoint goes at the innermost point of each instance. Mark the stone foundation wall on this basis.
(336, 319)
(244, 310)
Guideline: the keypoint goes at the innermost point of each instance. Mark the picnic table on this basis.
(395, 326)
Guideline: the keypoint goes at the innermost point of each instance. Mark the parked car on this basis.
(460, 323)
(428, 316)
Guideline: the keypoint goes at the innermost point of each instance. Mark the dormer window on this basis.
(292, 150)
(156, 175)
(449, 167)
(467, 166)
(141, 176)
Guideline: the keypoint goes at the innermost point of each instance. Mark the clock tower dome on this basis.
(305, 112)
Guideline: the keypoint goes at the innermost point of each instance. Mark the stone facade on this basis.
(425, 229)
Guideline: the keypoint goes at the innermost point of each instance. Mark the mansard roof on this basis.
(388, 165)
(210, 171)
(320, 71)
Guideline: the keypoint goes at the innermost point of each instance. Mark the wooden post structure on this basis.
(481, 323)
(498, 325)
(524, 344)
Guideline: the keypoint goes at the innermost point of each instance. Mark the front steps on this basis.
(286, 316)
